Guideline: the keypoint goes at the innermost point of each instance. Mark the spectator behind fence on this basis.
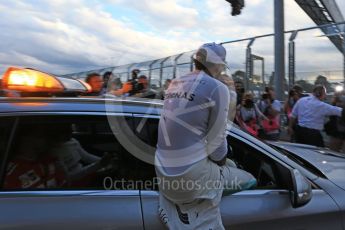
(143, 89)
(295, 94)
(142, 84)
(166, 85)
(248, 115)
(135, 87)
(290, 102)
(335, 127)
(124, 90)
(96, 83)
(107, 76)
(130, 87)
(239, 91)
(115, 87)
(299, 90)
(270, 107)
(309, 113)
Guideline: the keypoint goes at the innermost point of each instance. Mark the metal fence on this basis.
(311, 58)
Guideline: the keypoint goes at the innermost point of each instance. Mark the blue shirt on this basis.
(311, 112)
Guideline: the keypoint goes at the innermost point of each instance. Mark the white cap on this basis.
(215, 53)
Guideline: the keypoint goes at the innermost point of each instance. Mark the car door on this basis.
(66, 208)
(70, 210)
(262, 208)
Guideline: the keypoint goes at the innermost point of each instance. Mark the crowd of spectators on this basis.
(261, 118)
(306, 116)
(136, 86)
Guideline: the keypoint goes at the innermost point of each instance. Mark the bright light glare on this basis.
(339, 88)
(22, 78)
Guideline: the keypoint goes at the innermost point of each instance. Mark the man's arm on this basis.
(86, 157)
(85, 171)
(331, 110)
(259, 113)
(217, 146)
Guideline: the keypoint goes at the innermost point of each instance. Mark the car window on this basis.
(6, 129)
(269, 173)
(65, 152)
(146, 129)
(69, 152)
(6, 125)
(299, 160)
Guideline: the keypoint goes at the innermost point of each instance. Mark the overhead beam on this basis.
(325, 12)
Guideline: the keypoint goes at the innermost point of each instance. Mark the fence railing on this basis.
(311, 58)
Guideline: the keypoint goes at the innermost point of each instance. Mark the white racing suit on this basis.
(191, 137)
(71, 153)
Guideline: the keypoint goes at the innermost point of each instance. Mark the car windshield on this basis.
(329, 152)
(297, 159)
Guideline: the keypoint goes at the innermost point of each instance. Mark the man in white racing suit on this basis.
(81, 166)
(191, 158)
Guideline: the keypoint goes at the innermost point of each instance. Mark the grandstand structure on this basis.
(324, 12)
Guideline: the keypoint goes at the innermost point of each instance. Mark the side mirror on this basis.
(302, 192)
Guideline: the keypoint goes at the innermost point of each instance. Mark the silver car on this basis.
(299, 187)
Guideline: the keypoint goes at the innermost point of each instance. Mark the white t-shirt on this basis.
(311, 112)
(193, 122)
(250, 113)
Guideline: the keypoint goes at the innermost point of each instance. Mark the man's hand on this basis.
(221, 162)
(271, 110)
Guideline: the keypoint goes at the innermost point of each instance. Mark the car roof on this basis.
(79, 104)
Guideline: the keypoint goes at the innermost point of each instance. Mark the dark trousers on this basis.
(309, 136)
